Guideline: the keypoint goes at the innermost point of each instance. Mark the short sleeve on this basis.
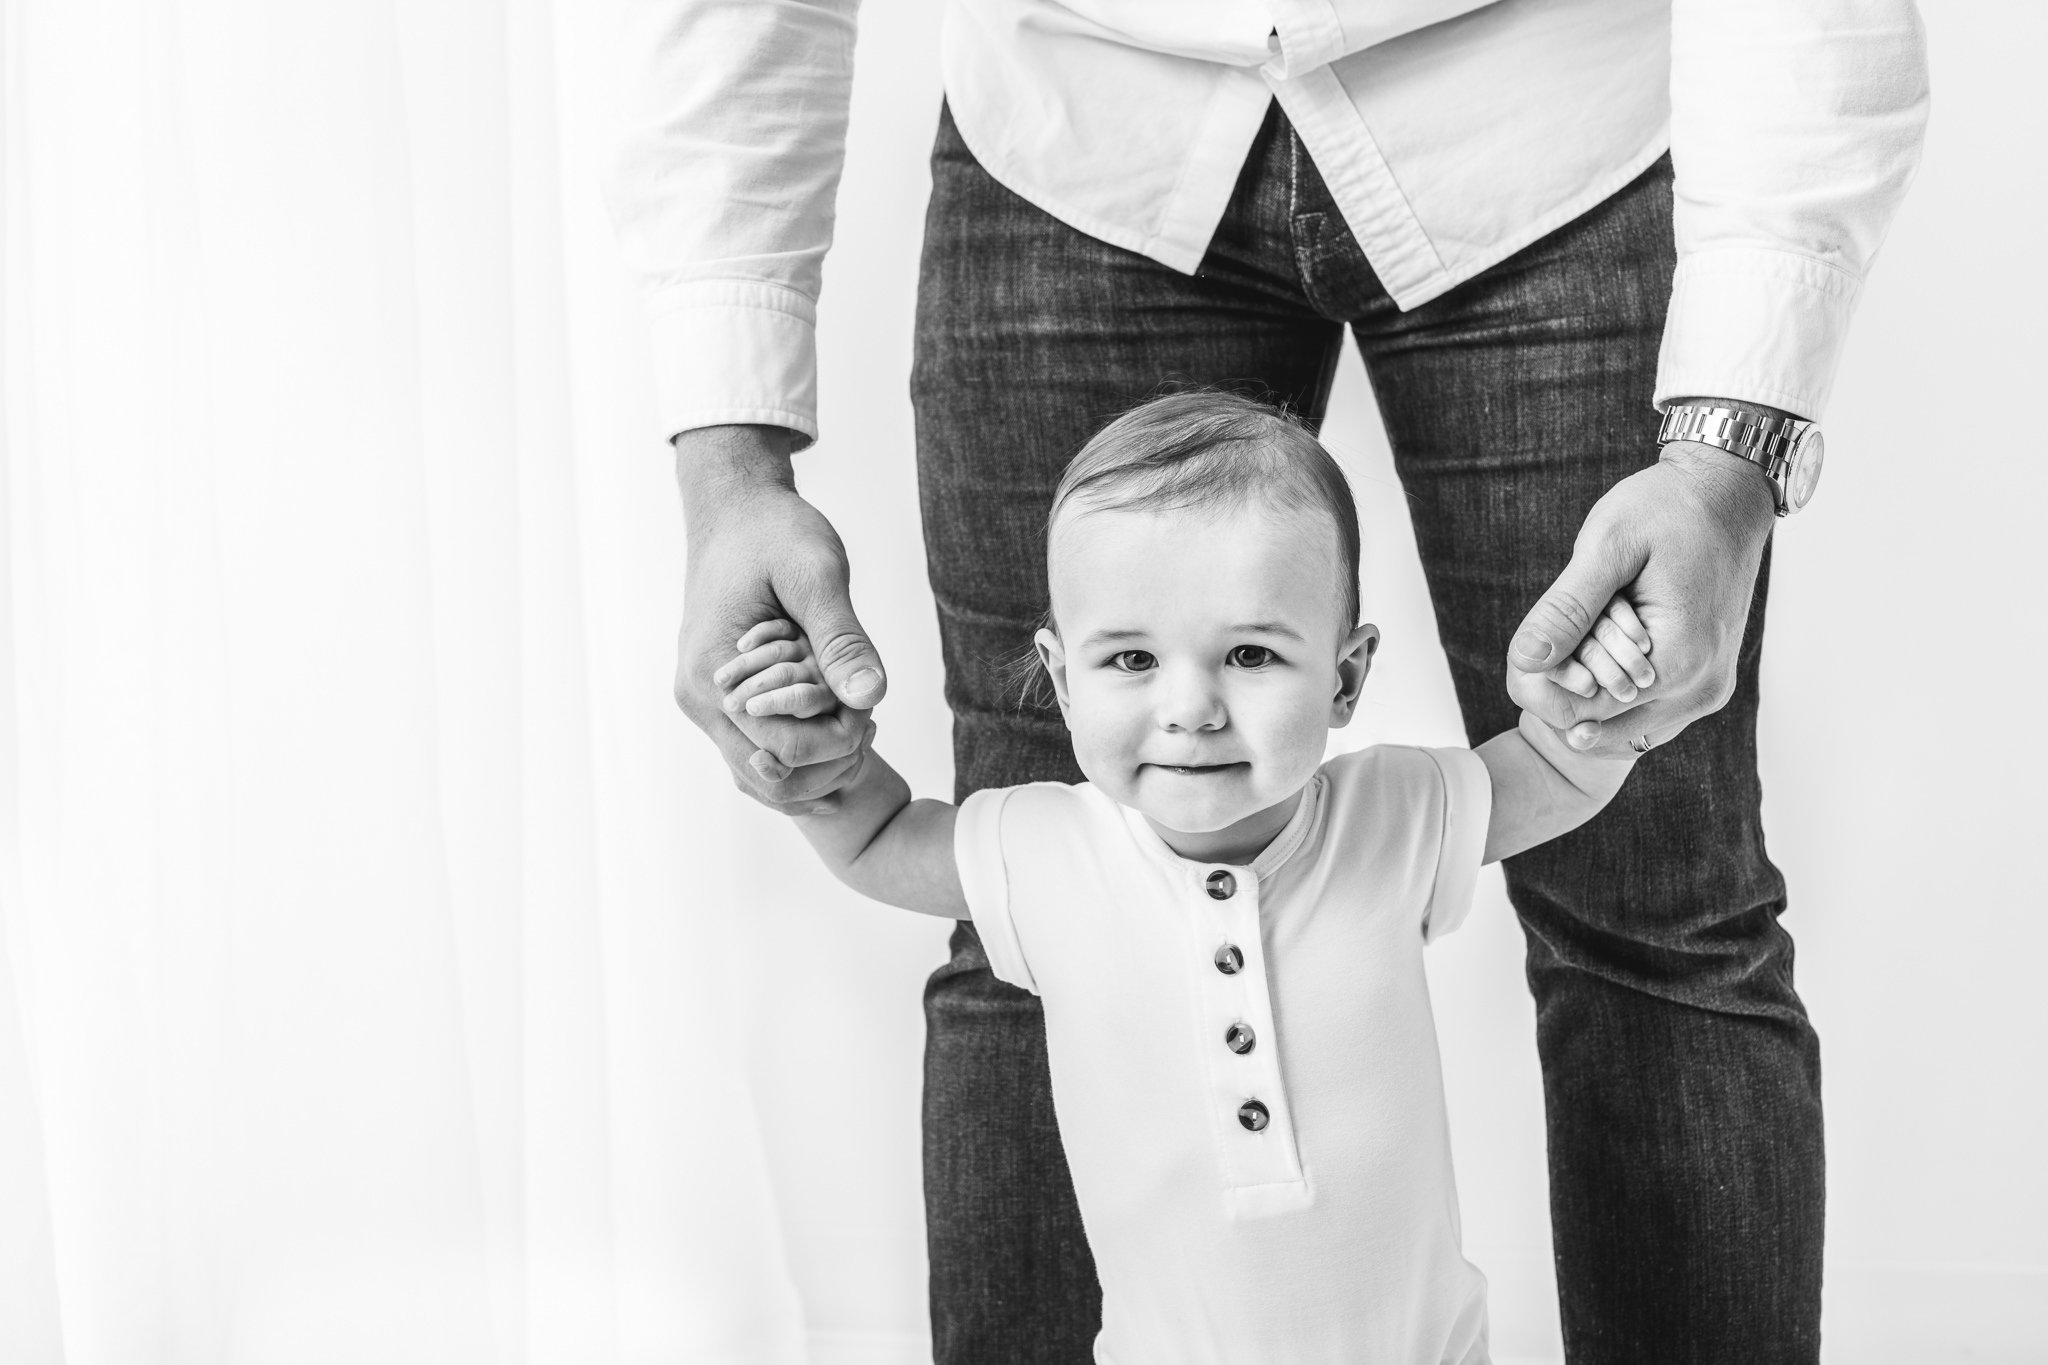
(1467, 810)
(985, 880)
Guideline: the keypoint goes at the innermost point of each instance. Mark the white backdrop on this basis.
(387, 972)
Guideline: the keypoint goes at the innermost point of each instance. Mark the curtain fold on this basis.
(361, 978)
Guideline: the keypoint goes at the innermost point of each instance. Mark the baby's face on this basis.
(1201, 661)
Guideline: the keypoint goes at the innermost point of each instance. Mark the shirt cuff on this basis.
(1468, 808)
(985, 881)
(1758, 324)
(735, 352)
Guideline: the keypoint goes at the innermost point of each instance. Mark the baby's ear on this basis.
(1354, 661)
(1053, 655)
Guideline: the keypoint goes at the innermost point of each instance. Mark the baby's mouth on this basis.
(1197, 769)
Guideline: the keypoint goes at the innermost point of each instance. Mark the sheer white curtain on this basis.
(364, 995)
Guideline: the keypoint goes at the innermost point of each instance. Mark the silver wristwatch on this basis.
(1788, 450)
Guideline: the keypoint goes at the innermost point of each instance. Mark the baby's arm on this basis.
(876, 839)
(887, 846)
(1542, 787)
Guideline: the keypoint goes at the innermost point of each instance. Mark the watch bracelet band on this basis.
(1758, 437)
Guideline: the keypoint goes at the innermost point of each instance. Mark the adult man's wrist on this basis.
(758, 453)
(716, 464)
(1707, 459)
(1733, 485)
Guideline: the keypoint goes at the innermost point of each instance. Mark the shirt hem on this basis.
(1573, 209)
(1310, 35)
(1374, 205)
(1189, 220)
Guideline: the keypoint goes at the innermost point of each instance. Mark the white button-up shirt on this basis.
(1451, 133)
(1326, 1229)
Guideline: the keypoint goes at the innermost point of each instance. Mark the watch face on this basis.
(1807, 453)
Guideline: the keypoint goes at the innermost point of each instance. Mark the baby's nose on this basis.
(1191, 703)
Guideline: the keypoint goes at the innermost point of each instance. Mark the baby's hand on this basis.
(1613, 656)
(774, 675)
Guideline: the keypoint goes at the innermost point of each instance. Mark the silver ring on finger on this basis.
(1641, 746)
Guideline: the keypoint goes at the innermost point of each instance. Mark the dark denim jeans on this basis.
(1681, 1078)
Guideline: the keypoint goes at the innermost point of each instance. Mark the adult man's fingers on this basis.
(817, 599)
(1659, 720)
(814, 788)
(809, 787)
(1562, 616)
(790, 790)
(801, 759)
(750, 773)
(1618, 736)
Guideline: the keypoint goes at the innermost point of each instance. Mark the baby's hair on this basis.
(1201, 449)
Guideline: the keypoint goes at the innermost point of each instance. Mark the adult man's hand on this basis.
(1683, 537)
(758, 551)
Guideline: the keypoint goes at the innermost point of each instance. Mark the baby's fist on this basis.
(774, 674)
(1614, 655)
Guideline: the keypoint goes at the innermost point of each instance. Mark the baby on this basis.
(1226, 931)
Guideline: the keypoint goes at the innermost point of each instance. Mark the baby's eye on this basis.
(1251, 656)
(1131, 661)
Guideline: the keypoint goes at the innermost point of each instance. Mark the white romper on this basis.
(1244, 1064)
